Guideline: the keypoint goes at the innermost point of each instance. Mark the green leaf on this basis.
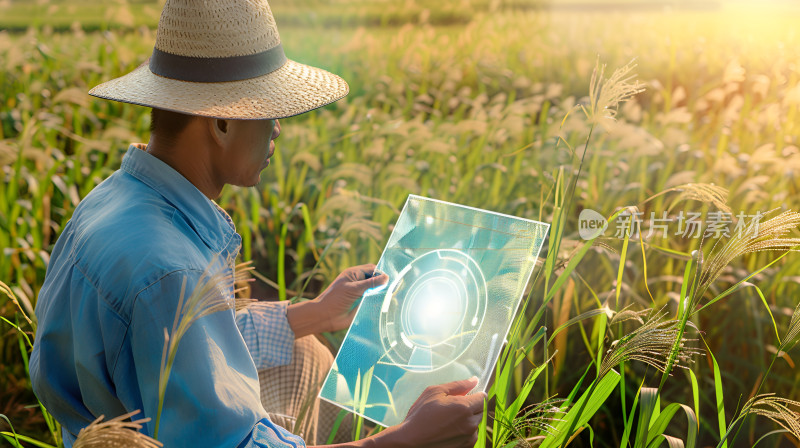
(573, 262)
(660, 424)
(501, 389)
(336, 424)
(621, 269)
(720, 397)
(771, 433)
(482, 428)
(733, 288)
(524, 350)
(670, 251)
(766, 307)
(30, 440)
(7, 435)
(584, 409)
(695, 395)
(574, 392)
(508, 414)
(599, 332)
(27, 339)
(648, 402)
(629, 423)
(24, 353)
(582, 316)
(673, 442)
(656, 411)
(14, 442)
(282, 263)
(684, 299)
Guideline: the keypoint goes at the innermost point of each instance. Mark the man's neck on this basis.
(189, 155)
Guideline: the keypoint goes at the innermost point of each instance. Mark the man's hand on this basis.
(333, 309)
(443, 416)
(336, 302)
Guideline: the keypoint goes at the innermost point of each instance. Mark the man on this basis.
(218, 81)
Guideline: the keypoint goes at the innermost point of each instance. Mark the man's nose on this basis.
(276, 131)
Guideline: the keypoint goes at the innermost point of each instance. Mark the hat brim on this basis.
(292, 89)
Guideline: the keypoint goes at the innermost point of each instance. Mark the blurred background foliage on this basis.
(458, 100)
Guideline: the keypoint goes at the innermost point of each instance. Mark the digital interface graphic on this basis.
(456, 277)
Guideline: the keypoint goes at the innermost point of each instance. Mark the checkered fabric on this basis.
(267, 333)
(285, 390)
(291, 390)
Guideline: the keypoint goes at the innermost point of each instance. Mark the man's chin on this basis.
(253, 181)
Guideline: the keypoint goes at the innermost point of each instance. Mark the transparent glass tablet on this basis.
(456, 278)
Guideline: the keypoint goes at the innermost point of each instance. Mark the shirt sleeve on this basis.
(212, 382)
(267, 333)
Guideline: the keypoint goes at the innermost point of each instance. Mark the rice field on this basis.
(488, 104)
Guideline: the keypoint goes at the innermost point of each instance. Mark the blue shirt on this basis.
(113, 286)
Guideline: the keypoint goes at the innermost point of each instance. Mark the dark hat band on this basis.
(232, 68)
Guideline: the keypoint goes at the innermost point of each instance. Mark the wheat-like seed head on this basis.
(770, 235)
(5, 289)
(777, 409)
(651, 344)
(793, 332)
(537, 418)
(708, 193)
(606, 94)
(115, 433)
(242, 280)
(213, 292)
(627, 314)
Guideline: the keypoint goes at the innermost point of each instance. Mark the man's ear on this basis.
(219, 131)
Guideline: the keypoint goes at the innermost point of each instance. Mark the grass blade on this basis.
(720, 398)
(648, 402)
(336, 424)
(658, 427)
(583, 410)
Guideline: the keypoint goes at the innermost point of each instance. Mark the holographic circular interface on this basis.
(432, 310)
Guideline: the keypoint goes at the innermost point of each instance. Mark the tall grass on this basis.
(482, 113)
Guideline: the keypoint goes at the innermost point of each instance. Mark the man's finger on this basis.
(461, 387)
(475, 402)
(371, 282)
(474, 421)
(367, 270)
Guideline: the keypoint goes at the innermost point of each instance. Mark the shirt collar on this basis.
(208, 219)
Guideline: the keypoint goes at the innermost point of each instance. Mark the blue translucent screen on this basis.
(456, 277)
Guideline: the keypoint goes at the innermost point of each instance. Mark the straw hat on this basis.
(223, 59)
